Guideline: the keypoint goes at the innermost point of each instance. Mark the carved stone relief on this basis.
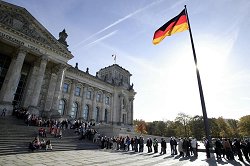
(20, 23)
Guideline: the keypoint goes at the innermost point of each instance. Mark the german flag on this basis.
(176, 24)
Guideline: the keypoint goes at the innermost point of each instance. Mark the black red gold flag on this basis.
(177, 24)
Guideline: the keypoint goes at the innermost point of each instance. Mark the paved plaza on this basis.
(108, 158)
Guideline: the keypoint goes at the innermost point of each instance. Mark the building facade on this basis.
(35, 74)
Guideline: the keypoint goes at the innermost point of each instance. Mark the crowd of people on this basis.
(54, 127)
(37, 144)
(123, 143)
(184, 147)
(229, 149)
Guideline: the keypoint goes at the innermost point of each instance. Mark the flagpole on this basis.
(207, 131)
(114, 56)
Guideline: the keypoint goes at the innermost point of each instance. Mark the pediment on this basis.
(19, 21)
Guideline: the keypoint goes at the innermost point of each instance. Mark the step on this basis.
(15, 136)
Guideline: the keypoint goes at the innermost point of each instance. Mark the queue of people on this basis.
(187, 147)
(123, 143)
(135, 144)
(225, 148)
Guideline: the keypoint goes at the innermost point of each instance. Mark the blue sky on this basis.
(163, 75)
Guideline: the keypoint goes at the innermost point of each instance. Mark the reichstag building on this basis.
(35, 74)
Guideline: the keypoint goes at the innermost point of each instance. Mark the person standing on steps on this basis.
(4, 112)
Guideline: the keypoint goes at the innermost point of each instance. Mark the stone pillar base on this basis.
(8, 106)
(54, 113)
(34, 110)
(46, 114)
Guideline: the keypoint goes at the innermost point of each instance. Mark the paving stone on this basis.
(109, 158)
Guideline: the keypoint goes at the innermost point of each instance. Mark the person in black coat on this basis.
(207, 146)
(185, 146)
(175, 145)
(163, 146)
(238, 149)
(218, 148)
(149, 144)
(136, 144)
(141, 144)
(244, 149)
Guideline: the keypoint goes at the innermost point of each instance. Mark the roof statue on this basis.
(62, 37)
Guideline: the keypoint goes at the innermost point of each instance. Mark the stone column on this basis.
(71, 97)
(110, 110)
(94, 106)
(11, 80)
(121, 108)
(130, 111)
(38, 85)
(83, 101)
(50, 92)
(116, 108)
(103, 108)
(58, 90)
(30, 85)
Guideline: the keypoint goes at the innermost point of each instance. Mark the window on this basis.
(77, 91)
(74, 110)
(98, 97)
(107, 100)
(124, 118)
(96, 114)
(65, 87)
(86, 112)
(61, 107)
(88, 95)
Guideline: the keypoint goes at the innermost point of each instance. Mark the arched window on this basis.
(66, 87)
(61, 107)
(96, 114)
(88, 95)
(106, 116)
(74, 110)
(98, 97)
(86, 112)
(107, 100)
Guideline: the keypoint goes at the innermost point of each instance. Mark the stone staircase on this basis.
(15, 137)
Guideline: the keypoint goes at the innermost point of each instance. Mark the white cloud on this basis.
(116, 22)
(100, 39)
